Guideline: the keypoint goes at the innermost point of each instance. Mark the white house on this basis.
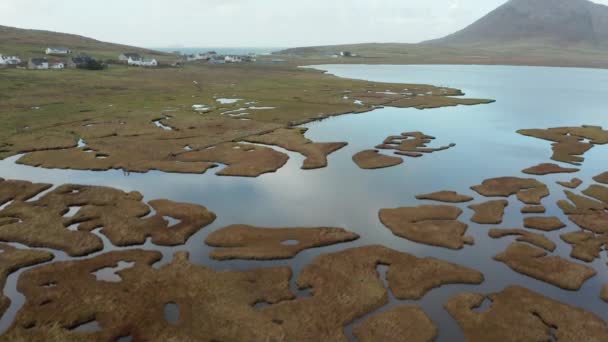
(190, 58)
(200, 56)
(144, 62)
(135, 61)
(233, 59)
(197, 57)
(124, 57)
(57, 65)
(9, 60)
(149, 62)
(38, 64)
(348, 54)
(217, 60)
(58, 51)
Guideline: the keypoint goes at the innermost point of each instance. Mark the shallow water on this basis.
(343, 195)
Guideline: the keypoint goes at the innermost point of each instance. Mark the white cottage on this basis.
(149, 62)
(38, 64)
(233, 59)
(58, 51)
(9, 60)
(125, 57)
(135, 61)
(217, 60)
(196, 57)
(57, 65)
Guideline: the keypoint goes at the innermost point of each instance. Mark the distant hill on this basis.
(31, 43)
(536, 23)
(568, 33)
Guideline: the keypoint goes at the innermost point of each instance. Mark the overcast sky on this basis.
(231, 23)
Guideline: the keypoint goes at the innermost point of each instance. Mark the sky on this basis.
(248, 23)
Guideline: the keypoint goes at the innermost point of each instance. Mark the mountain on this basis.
(536, 23)
(565, 33)
(32, 43)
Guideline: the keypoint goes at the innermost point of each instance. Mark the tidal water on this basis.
(343, 195)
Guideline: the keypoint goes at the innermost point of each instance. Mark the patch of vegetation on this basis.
(46, 111)
(92, 64)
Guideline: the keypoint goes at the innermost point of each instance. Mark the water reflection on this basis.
(342, 195)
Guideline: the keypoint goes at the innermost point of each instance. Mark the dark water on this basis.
(343, 195)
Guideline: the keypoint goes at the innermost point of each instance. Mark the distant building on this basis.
(79, 61)
(57, 65)
(249, 58)
(199, 56)
(135, 61)
(149, 62)
(38, 64)
(9, 60)
(58, 51)
(193, 57)
(233, 59)
(346, 54)
(125, 57)
(217, 59)
(209, 54)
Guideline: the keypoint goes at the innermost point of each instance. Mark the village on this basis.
(213, 57)
(58, 58)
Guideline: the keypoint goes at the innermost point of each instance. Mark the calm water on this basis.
(345, 196)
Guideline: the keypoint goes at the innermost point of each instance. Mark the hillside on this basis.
(31, 43)
(535, 23)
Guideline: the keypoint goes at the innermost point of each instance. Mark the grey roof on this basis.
(39, 61)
